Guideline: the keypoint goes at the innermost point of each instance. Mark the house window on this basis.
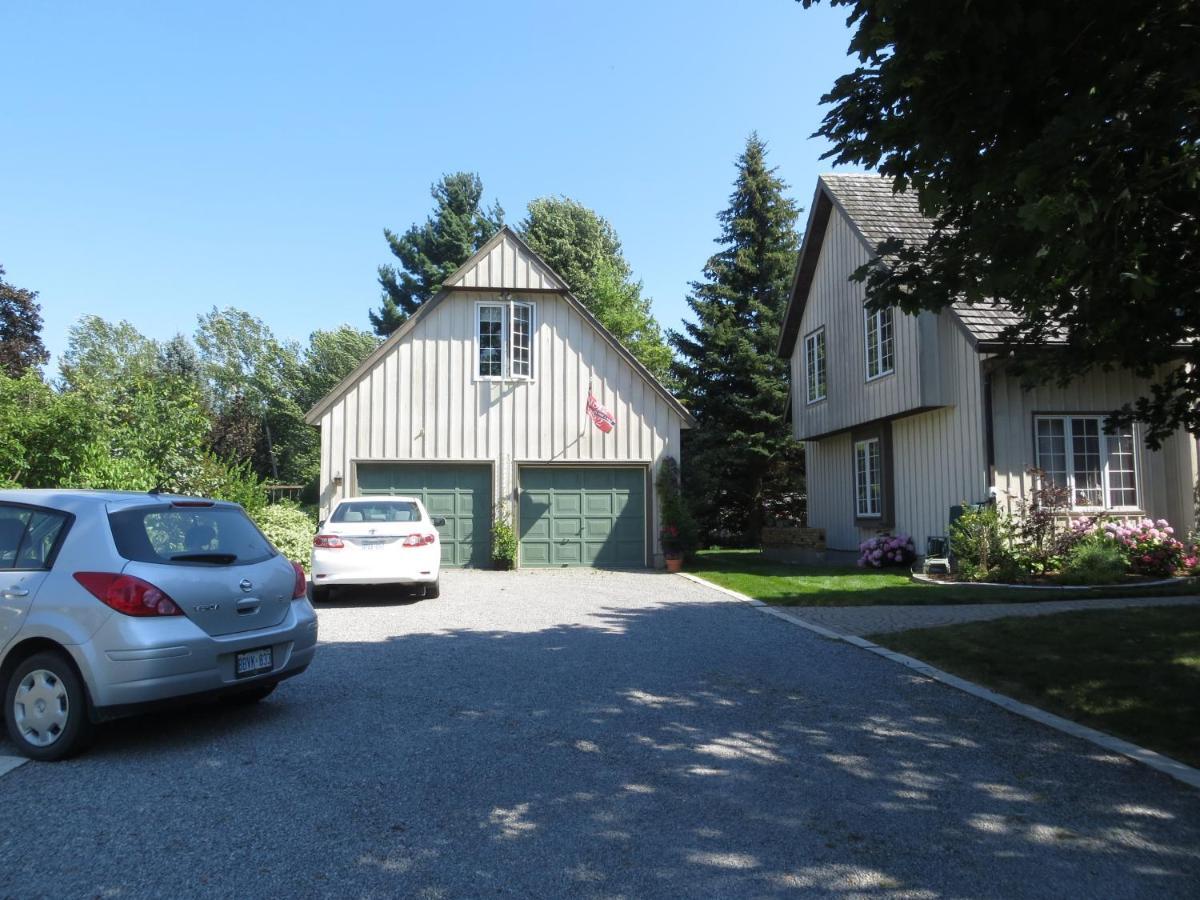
(491, 341)
(881, 344)
(868, 479)
(814, 365)
(505, 340)
(1099, 470)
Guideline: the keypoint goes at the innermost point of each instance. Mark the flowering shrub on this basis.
(1150, 547)
(887, 550)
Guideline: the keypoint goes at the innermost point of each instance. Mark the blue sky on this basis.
(160, 158)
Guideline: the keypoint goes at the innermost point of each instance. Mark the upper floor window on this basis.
(881, 344)
(814, 365)
(504, 340)
(1099, 470)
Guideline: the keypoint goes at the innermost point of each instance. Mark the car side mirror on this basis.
(438, 521)
(320, 525)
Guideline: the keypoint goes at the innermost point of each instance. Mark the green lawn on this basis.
(786, 584)
(1134, 673)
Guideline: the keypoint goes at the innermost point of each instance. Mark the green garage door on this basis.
(460, 493)
(583, 517)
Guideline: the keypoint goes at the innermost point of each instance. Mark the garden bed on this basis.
(1119, 588)
(788, 584)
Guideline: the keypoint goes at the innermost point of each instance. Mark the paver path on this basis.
(555, 735)
(864, 620)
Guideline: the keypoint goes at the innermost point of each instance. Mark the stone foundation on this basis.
(799, 545)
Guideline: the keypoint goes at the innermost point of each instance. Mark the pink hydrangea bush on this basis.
(886, 550)
(1150, 547)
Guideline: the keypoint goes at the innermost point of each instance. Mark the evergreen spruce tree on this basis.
(428, 253)
(730, 376)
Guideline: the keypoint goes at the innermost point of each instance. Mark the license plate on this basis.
(252, 662)
(374, 544)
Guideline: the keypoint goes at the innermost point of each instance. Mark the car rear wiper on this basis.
(219, 558)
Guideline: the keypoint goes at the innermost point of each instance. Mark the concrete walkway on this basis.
(864, 620)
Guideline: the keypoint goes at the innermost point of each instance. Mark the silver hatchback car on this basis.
(115, 602)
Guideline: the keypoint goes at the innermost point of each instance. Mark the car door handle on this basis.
(15, 593)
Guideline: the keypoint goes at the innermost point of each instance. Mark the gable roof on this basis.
(876, 213)
(505, 263)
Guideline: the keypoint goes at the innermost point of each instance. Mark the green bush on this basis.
(677, 529)
(1094, 560)
(504, 540)
(982, 543)
(289, 528)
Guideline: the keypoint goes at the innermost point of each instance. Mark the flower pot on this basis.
(674, 563)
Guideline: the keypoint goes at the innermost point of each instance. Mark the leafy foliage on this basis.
(582, 246)
(458, 226)
(504, 539)
(1057, 148)
(289, 528)
(731, 378)
(1093, 560)
(20, 329)
(677, 528)
(982, 540)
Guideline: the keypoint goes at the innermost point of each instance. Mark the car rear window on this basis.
(378, 511)
(217, 535)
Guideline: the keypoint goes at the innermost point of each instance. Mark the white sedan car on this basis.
(377, 540)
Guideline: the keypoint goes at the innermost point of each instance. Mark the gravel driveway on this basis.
(597, 735)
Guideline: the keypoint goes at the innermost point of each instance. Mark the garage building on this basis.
(480, 400)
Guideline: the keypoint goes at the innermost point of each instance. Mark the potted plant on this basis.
(677, 533)
(504, 540)
(672, 547)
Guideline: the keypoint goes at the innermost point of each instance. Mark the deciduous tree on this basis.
(1056, 146)
(20, 329)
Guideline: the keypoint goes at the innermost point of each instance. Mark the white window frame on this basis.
(816, 369)
(508, 359)
(868, 503)
(883, 347)
(1106, 453)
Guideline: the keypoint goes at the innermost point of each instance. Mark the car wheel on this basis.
(247, 696)
(434, 590)
(46, 708)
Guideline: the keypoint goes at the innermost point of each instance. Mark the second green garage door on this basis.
(462, 494)
(583, 516)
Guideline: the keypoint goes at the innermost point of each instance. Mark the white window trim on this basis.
(817, 335)
(1068, 439)
(859, 512)
(867, 316)
(506, 330)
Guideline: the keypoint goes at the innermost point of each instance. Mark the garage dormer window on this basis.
(504, 340)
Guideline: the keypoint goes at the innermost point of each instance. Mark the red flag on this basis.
(601, 417)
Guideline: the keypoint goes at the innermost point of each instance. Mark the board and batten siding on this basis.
(939, 456)
(1166, 477)
(420, 401)
(836, 303)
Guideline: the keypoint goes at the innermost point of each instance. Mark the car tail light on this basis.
(328, 541)
(301, 588)
(419, 540)
(127, 594)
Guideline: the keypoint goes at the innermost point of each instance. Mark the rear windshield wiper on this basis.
(219, 558)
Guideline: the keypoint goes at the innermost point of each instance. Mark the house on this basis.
(904, 416)
(478, 402)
